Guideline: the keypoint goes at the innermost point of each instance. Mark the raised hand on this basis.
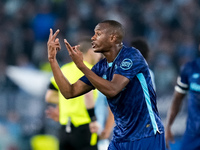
(75, 54)
(53, 45)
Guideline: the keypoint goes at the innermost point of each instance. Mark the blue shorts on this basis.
(156, 142)
(191, 142)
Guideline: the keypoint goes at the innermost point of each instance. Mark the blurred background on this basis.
(171, 27)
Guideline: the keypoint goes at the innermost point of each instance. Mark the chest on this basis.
(109, 71)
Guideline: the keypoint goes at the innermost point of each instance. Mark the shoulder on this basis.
(130, 55)
(130, 52)
(188, 65)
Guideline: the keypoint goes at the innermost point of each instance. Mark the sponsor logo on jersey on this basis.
(126, 64)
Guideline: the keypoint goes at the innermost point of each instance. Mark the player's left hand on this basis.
(75, 54)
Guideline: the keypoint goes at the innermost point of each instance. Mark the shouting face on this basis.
(101, 41)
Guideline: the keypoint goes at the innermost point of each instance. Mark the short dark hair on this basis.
(141, 44)
(116, 27)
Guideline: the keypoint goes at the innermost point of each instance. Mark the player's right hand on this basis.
(53, 45)
(169, 137)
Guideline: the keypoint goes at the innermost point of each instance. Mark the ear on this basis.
(113, 38)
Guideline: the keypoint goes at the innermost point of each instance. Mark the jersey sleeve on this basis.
(85, 79)
(130, 65)
(182, 80)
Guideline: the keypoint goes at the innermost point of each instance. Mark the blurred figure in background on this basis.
(141, 44)
(75, 115)
(105, 119)
(187, 82)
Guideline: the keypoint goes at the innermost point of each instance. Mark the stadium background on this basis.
(171, 27)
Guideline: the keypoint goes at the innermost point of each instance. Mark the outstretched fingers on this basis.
(50, 34)
(55, 34)
(57, 43)
(68, 46)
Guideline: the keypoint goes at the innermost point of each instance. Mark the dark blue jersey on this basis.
(189, 81)
(134, 108)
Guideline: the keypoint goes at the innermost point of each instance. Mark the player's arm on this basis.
(175, 107)
(89, 100)
(172, 113)
(68, 90)
(90, 103)
(105, 134)
(52, 96)
(108, 88)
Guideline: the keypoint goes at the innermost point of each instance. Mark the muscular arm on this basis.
(51, 111)
(68, 90)
(108, 88)
(89, 100)
(105, 134)
(172, 113)
(175, 107)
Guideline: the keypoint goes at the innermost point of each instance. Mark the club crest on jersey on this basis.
(126, 64)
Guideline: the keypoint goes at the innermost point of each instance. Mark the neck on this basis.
(112, 54)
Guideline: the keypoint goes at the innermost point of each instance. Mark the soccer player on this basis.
(75, 115)
(123, 77)
(187, 82)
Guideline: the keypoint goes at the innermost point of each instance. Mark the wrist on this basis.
(52, 60)
(168, 127)
(92, 114)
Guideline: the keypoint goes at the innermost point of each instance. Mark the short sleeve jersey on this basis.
(134, 108)
(189, 82)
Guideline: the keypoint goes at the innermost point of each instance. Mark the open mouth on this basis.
(93, 45)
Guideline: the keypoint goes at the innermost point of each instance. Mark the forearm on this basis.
(104, 86)
(89, 100)
(52, 96)
(63, 84)
(175, 108)
(89, 104)
(110, 122)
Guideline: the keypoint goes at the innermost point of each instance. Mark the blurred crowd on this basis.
(171, 27)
